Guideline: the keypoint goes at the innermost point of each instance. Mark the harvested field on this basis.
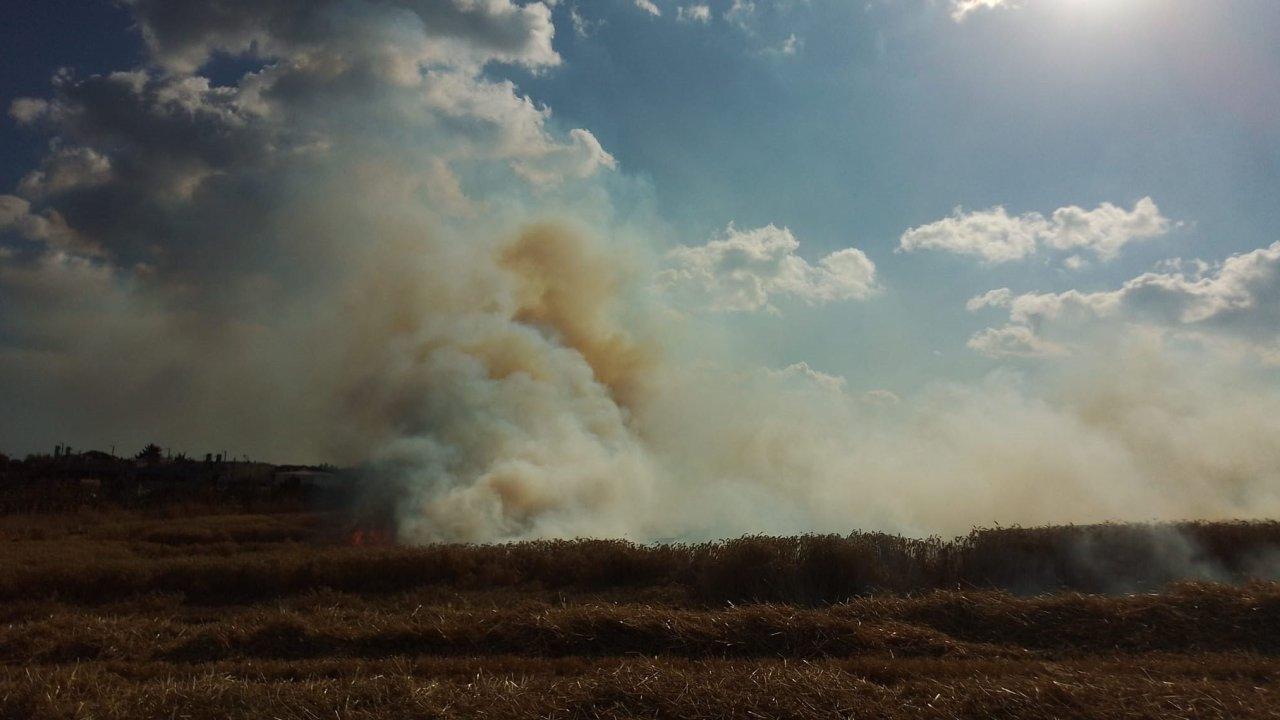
(129, 616)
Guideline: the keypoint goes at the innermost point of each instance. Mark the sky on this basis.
(489, 245)
(889, 115)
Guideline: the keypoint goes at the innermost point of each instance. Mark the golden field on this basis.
(196, 614)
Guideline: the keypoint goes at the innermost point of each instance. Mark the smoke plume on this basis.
(369, 250)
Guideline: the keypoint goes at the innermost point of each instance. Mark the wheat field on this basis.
(196, 614)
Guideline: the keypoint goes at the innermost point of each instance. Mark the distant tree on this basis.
(152, 453)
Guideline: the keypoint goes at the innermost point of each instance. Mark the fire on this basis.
(371, 537)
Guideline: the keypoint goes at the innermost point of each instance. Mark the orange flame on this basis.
(371, 537)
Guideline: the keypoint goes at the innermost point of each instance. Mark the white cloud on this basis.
(1000, 297)
(183, 34)
(65, 169)
(581, 158)
(994, 236)
(1033, 307)
(27, 110)
(991, 235)
(18, 220)
(743, 270)
(1238, 299)
(740, 13)
(582, 27)
(649, 7)
(802, 372)
(491, 120)
(1075, 262)
(1013, 341)
(694, 13)
(764, 25)
(1105, 229)
(789, 46)
(961, 9)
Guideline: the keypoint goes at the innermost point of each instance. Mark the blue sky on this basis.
(39, 38)
(889, 114)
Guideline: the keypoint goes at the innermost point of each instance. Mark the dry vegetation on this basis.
(116, 615)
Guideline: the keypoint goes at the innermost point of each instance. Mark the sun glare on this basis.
(1101, 7)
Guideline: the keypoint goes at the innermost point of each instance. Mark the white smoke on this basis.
(370, 250)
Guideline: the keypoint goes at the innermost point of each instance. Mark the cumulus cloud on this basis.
(961, 9)
(694, 13)
(1239, 297)
(18, 222)
(994, 236)
(1013, 341)
(581, 158)
(182, 35)
(129, 138)
(648, 6)
(745, 270)
(1106, 229)
(66, 169)
(991, 235)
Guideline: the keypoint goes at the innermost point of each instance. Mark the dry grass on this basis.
(228, 558)
(511, 688)
(112, 615)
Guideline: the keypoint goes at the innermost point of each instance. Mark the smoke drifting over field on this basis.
(368, 249)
